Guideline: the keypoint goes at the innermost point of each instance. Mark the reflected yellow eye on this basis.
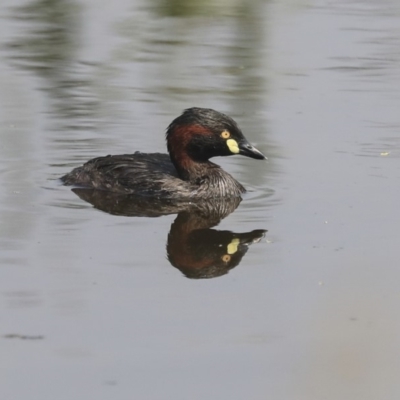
(225, 134)
(226, 258)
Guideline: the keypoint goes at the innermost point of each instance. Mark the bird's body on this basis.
(194, 137)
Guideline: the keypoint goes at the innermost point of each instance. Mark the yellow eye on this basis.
(226, 258)
(225, 134)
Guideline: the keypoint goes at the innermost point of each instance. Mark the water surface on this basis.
(91, 306)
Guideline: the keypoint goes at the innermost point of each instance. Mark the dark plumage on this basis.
(192, 139)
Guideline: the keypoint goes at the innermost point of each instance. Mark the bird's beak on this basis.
(246, 149)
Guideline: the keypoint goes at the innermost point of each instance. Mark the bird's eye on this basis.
(225, 134)
(226, 258)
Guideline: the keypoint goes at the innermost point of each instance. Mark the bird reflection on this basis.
(194, 248)
(200, 252)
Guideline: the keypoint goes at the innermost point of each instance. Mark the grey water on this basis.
(94, 303)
